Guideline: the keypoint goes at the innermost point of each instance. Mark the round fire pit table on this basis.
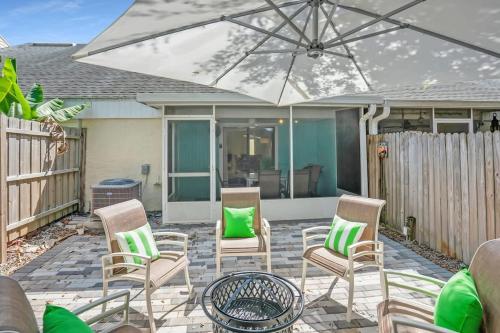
(252, 302)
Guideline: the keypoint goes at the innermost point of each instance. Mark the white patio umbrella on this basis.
(290, 51)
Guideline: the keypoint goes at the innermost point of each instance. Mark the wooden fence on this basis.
(36, 186)
(449, 183)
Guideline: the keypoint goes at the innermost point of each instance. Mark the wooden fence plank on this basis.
(401, 181)
(425, 189)
(395, 179)
(437, 193)
(13, 166)
(481, 189)
(490, 185)
(450, 194)
(431, 201)
(4, 196)
(464, 179)
(496, 154)
(443, 159)
(457, 197)
(473, 213)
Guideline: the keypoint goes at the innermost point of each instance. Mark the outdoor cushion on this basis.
(458, 307)
(329, 259)
(59, 320)
(243, 245)
(239, 222)
(407, 309)
(140, 241)
(161, 270)
(343, 234)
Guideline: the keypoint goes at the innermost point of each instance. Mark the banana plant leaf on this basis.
(35, 97)
(55, 110)
(11, 93)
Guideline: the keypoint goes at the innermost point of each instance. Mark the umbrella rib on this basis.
(424, 31)
(349, 53)
(259, 44)
(373, 34)
(288, 21)
(374, 21)
(276, 51)
(328, 19)
(183, 28)
(293, 60)
(337, 54)
(264, 31)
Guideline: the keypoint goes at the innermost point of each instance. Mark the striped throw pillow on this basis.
(138, 241)
(343, 234)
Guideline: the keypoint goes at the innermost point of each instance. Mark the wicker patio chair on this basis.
(130, 215)
(404, 316)
(260, 245)
(16, 313)
(367, 252)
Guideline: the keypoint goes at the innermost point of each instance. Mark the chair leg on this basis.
(151, 317)
(188, 281)
(351, 297)
(104, 291)
(268, 262)
(304, 272)
(217, 266)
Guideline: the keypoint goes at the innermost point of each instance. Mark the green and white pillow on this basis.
(343, 234)
(140, 241)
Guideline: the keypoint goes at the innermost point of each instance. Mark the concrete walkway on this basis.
(70, 275)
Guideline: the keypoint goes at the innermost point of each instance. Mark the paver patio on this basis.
(70, 275)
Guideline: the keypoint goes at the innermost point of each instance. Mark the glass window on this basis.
(253, 152)
(453, 127)
(452, 113)
(348, 153)
(314, 152)
(407, 119)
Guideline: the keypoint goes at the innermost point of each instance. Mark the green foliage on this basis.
(32, 106)
(12, 100)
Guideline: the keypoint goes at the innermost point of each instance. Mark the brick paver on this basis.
(70, 275)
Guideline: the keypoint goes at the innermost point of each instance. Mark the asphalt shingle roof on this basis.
(52, 66)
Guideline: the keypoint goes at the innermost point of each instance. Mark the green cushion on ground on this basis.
(59, 320)
(458, 307)
(239, 222)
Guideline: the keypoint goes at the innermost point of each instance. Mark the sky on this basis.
(61, 21)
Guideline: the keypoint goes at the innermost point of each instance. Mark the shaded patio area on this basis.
(70, 275)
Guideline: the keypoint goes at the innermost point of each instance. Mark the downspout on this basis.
(362, 152)
(373, 123)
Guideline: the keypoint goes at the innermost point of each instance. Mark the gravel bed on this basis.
(449, 263)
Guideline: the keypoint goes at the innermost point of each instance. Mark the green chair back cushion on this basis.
(239, 222)
(140, 241)
(343, 234)
(458, 307)
(59, 320)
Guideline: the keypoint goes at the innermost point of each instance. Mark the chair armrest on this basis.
(306, 238)
(122, 308)
(378, 250)
(266, 227)
(183, 243)
(398, 321)
(107, 261)
(415, 276)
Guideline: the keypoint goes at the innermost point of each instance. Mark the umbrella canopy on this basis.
(291, 51)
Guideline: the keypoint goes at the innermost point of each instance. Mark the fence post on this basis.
(3, 188)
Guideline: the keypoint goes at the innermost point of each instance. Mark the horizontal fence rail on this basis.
(37, 186)
(449, 183)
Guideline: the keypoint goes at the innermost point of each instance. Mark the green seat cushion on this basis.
(59, 320)
(343, 234)
(140, 241)
(458, 307)
(239, 222)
